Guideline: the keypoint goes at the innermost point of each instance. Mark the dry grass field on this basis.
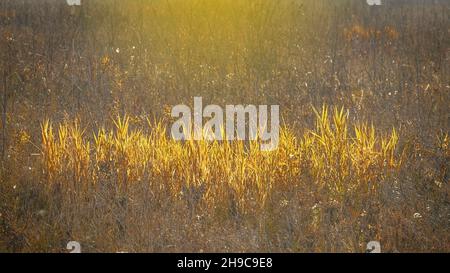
(87, 156)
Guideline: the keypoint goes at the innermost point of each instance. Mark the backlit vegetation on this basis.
(221, 172)
(86, 153)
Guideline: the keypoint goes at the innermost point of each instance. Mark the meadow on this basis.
(86, 151)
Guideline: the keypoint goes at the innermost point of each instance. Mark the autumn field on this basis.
(87, 153)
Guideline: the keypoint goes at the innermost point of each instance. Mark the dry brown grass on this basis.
(372, 165)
